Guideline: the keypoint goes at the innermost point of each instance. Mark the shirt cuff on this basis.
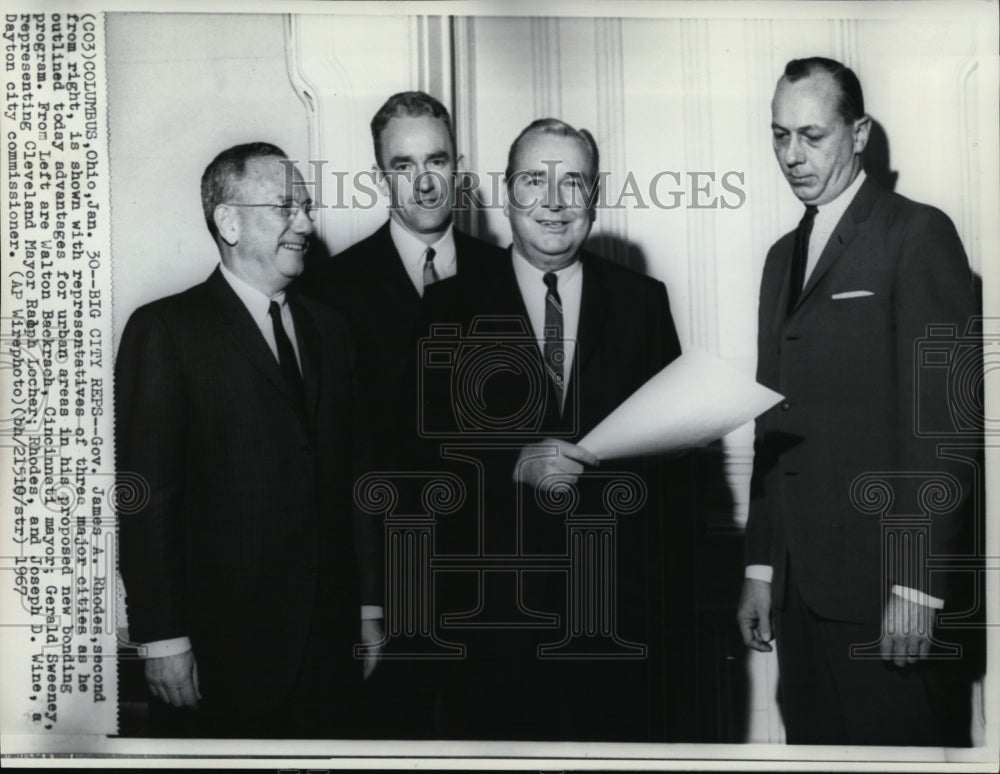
(371, 612)
(162, 648)
(912, 595)
(761, 572)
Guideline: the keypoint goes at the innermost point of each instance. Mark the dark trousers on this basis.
(828, 697)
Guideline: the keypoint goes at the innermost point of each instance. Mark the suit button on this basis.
(786, 406)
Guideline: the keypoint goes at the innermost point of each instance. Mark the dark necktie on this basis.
(554, 354)
(430, 273)
(801, 256)
(286, 356)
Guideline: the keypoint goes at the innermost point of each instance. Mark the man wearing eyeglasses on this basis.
(245, 569)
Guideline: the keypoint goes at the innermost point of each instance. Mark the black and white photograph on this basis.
(554, 385)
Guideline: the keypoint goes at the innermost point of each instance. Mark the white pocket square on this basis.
(851, 294)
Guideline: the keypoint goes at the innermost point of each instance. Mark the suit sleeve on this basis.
(759, 528)
(368, 533)
(668, 346)
(933, 287)
(150, 422)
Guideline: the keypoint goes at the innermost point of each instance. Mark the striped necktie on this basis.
(554, 353)
(430, 273)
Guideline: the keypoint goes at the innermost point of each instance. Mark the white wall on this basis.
(182, 88)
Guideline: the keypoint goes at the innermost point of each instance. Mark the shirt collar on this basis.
(256, 302)
(525, 270)
(412, 250)
(829, 215)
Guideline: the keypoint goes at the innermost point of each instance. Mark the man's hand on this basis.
(174, 679)
(549, 458)
(906, 631)
(371, 635)
(754, 614)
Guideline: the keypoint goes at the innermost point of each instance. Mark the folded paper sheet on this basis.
(696, 399)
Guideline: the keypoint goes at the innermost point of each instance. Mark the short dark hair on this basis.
(225, 170)
(852, 102)
(560, 129)
(413, 104)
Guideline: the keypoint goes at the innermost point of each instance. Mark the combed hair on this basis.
(225, 171)
(852, 102)
(413, 104)
(560, 129)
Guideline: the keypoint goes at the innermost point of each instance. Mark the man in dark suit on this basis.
(844, 301)
(551, 340)
(245, 569)
(378, 283)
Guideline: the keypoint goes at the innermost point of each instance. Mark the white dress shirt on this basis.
(827, 218)
(412, 251)
(533, 290)
(259, 306)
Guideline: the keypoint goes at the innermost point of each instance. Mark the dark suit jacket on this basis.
(247, 536)
(625, 335)
(853, 386)
(368, 284)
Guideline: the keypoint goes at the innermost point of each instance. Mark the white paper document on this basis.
(696, 399)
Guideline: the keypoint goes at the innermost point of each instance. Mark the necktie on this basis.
(286, 356)
(554, 354)
(801, 256)
(430, 273)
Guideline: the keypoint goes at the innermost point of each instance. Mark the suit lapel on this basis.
(240, 326)
(844, 233)
(307, 335)
(505, 299)
(391, 282)
(593, 310)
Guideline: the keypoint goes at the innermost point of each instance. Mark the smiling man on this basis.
(593, 332)
(844, 299)
(245, 569)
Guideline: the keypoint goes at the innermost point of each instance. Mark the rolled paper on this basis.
(696, 399)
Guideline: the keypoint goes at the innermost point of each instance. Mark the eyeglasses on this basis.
(290, 211)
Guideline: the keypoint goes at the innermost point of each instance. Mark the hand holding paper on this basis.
(543, 464)
(696, 399)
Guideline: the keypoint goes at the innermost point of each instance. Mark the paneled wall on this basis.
(680, 102)
(681, 111)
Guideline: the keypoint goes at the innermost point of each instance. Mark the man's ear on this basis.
(505, 197)
(862, 128)
(227, 224)
(381, 181)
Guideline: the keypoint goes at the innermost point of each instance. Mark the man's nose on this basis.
(554, 198)
(793, 151)
(302, 223)
(426, 180)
